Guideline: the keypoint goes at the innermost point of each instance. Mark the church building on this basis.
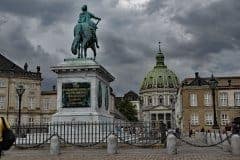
(158, 93)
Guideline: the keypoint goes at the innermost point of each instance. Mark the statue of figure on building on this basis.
(85, 34)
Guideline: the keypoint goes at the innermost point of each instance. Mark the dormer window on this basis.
(149, 100)
(171, 99)
(149, 86)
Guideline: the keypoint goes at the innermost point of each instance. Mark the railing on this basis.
(88, 134)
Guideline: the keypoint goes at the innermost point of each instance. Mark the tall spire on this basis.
(160, 58)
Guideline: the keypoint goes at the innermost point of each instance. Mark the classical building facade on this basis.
(158, 93)
(48, 104)
(197, 104)
(33, 108)
(134, 99)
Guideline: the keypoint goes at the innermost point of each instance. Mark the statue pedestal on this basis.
(83, 91)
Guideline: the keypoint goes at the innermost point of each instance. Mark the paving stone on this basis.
(185, 152)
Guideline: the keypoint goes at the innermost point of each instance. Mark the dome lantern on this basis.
(160, 58)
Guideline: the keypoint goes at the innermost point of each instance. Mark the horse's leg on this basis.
(94, 50)
(85, 52)
(84, 48)
(81, 52)
(78, 52)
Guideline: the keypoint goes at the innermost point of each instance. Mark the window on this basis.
(153, 117)
(15, 121)
(237, 98)
(2, 102)
(46, 120)
(194, 119)
(172, 99)
(209, 119)
(224, 119)
(207, 99)
(30, 120)
(168, 116)
(2, 83)
(31, 102)
(149, 100)
(160, 100)
(168, 120)
(32, 85)
(223, 99)
(46, 104)
(193, 99)
(161, 117)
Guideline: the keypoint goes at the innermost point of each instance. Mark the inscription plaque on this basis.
(76, 95)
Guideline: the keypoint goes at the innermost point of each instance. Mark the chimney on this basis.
(38, 69)
(196, 75)
(26, 67)
(54, 88)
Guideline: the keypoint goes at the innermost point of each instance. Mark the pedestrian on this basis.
(178, 133)
(163, 129)
(190, 133)
(2, 128)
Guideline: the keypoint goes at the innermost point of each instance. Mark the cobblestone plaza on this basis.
(185, 152)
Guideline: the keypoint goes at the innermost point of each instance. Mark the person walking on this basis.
(2, 128)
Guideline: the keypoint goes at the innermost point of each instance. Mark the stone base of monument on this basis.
(83, 91)
(75, 117)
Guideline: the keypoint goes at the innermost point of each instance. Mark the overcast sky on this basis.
(196, 35)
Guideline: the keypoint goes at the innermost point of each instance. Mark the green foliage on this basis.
(128, 110)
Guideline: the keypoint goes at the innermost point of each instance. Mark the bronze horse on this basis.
(84, 38)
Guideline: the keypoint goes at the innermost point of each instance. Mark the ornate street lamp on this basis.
(20, 90)
(213, 85)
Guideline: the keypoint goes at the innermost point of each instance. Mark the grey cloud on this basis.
(155, 5)
(128, 38)
(214, 28)
(47, 11)
(19, 49)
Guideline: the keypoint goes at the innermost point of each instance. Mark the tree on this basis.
(128, 110)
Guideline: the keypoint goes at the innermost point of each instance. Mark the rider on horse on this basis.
(85, 17)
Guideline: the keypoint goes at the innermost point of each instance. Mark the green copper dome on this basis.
(160, 76)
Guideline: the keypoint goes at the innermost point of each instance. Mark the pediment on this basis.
(156, 108)
(160, 108)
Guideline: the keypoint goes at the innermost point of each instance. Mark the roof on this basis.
(160, 76)
(223, 81)
(198, 81)
(9, 68)
(6, 65)
(131, 96)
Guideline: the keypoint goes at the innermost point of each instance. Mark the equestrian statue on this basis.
(85, 34)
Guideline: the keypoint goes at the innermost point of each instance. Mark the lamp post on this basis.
(213, 85)
(20, 90)
(189, 128)
(173, 102)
